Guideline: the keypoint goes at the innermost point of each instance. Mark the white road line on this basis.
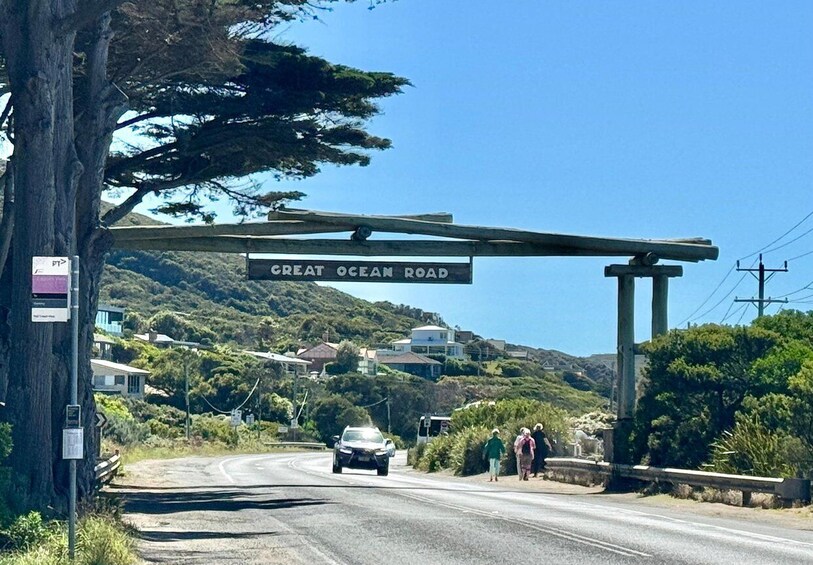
(571, 536)
(223, 469)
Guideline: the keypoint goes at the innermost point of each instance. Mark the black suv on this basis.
(362, 448)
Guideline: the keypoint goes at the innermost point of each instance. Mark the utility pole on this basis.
(186, 393)
(761, 301)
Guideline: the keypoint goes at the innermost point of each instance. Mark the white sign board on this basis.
(73, 443)
(250, 419)
(294, 424)
(282, 430)
(236, 417)
(50, 289)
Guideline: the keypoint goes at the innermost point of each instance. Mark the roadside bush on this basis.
(751, 448)
(162, 430)
(27, 531)
(466, 456)
(436, 455)
(100, 541)
(414, 454)
(122, 428)
(214, 428)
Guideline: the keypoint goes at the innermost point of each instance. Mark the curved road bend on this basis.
(290, 508)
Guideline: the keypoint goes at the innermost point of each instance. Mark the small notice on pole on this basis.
(236, 417)
(73, 444)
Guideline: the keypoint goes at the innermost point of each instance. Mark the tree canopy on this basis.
(197, 96)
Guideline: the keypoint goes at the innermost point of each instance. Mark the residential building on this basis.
(292, 366)
(103, 346)
(498, 344)
(110, 319)
(116, 378)
(463, 336)
(518, 354)
(414, 364)
(368, 362)
(319, 355)
(430, 340)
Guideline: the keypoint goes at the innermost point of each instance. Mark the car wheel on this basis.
(383, 471)
(337, 468)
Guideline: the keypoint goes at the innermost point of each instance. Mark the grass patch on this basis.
(99, 541)
(180, 449)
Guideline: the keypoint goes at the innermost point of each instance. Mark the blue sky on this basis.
(611, 118)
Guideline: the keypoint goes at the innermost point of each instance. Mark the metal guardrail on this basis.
(296, 444)
(786, 489)
(106, 469)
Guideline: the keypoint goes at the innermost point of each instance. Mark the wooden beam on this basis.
(599, 246)
(284, 227)
(437, 217)
(643, 271)
(389, 248)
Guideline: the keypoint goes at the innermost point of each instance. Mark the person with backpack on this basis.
(493, 450)
(525, 448)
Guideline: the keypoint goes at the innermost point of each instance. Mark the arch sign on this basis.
(359, 271)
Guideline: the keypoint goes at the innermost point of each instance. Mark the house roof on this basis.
(407, 358)
(101, 338)
(404, 341)
(102, 367)
(431, 328)
(159, 338)
(278, 358)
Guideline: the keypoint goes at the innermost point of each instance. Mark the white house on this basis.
(116, 378)
(368, 362)
(291, 365)
(430, 340)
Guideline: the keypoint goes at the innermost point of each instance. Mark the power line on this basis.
(797, 238)
(713, 292)
(729, 293)
(758, 251)
(800, 256)
(761, 301)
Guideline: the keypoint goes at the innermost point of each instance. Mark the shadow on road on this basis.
(164, 536)
(183, 500)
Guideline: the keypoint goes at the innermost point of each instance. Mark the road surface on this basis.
(290, 508)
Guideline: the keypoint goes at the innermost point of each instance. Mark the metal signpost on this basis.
(52, 278)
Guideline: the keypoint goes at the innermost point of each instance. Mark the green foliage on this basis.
(180, 328)
(509, 416)
(511, 369)
(122, 428)
(752, 448)
(695, 383)
(214, 428)
(100, 541)
(27, 531)
(5, 440)
(347, 358)
(437, 454)
(459, 367)
(466, 457)
(333, 413)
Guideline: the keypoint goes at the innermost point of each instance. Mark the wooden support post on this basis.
(626, 344)
(660, 301)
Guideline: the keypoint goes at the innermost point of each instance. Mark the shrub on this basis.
(100, 542)
(751, 448)
(27, 531)
(214, 428)
(436, 454)
(466, 457)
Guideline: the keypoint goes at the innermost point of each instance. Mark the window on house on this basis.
(134, 384)
(120, 380)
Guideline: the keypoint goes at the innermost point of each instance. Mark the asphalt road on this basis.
(290, 508)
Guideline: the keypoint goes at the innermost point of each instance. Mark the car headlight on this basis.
(345, 450)
(381, 452)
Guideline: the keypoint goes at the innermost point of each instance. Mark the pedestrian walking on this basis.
(542, 448)
(493, 451)
(517, 446)
(525, 453)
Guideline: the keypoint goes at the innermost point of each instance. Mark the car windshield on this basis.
(363, 435)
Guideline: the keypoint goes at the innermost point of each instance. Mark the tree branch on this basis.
(84, 15)
(135, 120)
(116, 214)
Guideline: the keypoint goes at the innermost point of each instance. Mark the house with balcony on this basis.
(110, 319)
(116, 378)
(430, 340)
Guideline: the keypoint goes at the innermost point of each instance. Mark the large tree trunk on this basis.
(45, 174)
